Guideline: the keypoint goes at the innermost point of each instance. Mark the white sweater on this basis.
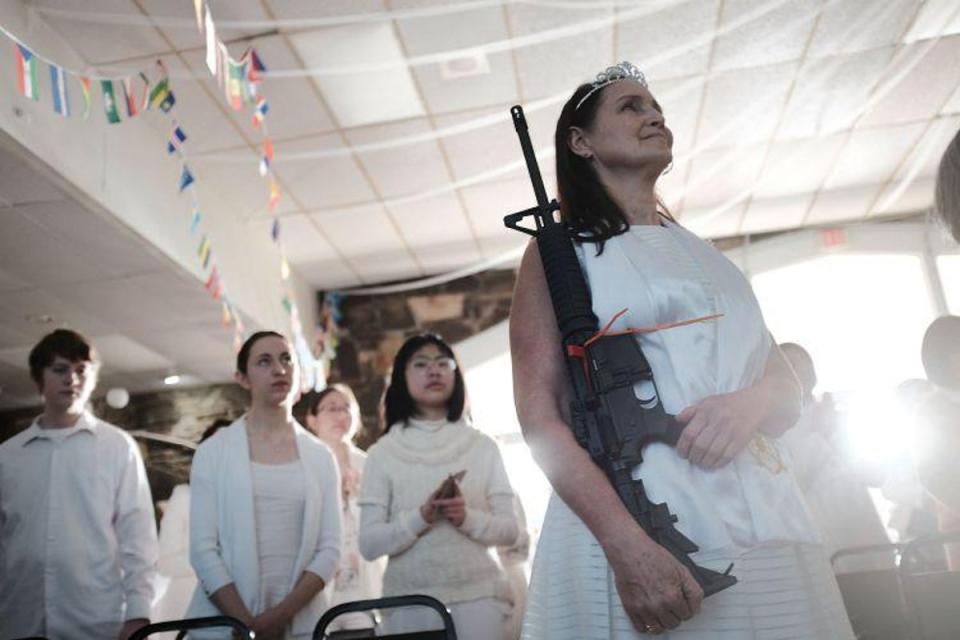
(452, 564)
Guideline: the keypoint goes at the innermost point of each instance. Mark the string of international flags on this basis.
(127, 97)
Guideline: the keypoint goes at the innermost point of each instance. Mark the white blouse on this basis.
(665, 274)
(278, 503)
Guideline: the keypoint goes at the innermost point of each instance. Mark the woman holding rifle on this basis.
(597, 574)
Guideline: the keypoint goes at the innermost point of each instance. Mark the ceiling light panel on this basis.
(357, 96)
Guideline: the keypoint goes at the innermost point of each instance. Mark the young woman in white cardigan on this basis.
(265, 507)
(437, 546)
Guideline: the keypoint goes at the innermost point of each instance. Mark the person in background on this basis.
(78, 539)
(174, 566)
(333, 416)
(265, 507)
(947, 190)
(834, 483)
(435, 498)
(939, 419)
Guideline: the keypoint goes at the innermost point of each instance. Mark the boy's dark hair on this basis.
(62, 343)
(398, 405)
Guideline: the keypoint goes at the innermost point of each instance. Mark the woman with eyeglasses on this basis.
(334, 416)
(435, 498)
(265, 507)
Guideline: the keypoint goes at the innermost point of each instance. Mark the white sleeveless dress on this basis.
(749, 512)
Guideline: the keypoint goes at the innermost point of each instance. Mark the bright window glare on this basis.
(490, 385)
(861, 317)
(949, 268)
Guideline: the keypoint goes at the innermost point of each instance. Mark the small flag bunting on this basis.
(204, 251)
(260, 112)
(274, 195)
(161, 96)
(275, 230)
(268, 149)
(109, 102)
(87, 101)
(287, 303)
(26, 72)
(58, 88)
(195, 221)
(212, 285)
(186, 178)
(284, 268)
(211, 32)
(145, 102)
(177, 138)
(129, 97)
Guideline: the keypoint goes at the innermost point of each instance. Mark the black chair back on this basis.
(447, 633)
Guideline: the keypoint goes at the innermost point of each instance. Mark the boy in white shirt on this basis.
(78, 542)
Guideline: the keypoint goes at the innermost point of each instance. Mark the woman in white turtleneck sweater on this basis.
(438, 546)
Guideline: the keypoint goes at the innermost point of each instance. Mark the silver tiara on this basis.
(616, 73)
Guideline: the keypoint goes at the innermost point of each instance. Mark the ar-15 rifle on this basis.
(609, 421)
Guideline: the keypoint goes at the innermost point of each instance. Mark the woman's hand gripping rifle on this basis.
(609, 420)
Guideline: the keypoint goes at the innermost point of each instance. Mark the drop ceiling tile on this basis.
(321, 9)
(831, 93)
(743, 107)
(321, 182)
(871, 156)
(103, 42)
(485, 148)
(776, 36)
(406, 170)
(929, 85)
(239, 186)
(488, 203)
(303, 241)
(714, 222)
(924, 158)
(443, 95)
(839, 205)
(179, 22)
(900, 197)
(659, 42)
(433, 221)
(448, 256)
(558, 29)
(798, 166)
(120, 353)
(328, 274)
(953, 104)
(451, 31)
(717, 177)
(859, 25)
(363, 234)
(355, 96)
(25, 312)
(935, 18)
(771, 214)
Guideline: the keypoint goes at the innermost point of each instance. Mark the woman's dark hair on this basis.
(243, 356)
(63, 343)
(215, 426)
(585, 205)
(398, 405)
(309, 403)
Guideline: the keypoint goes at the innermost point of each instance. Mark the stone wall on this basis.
(374, 327)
